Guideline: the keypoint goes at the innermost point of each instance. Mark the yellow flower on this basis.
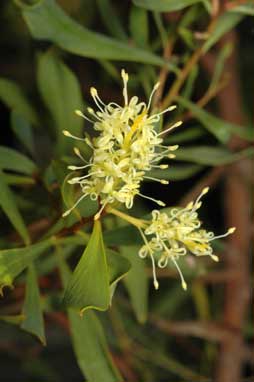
(177, 234)
(126, 147)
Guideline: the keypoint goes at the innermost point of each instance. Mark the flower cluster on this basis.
(126, 148)
(175, 234)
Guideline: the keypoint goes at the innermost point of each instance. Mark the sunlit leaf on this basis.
(11, 159)
(8, 205)
(88, 287)
(33, 322)
(47, 21)
(14, 261)
(89, 342)
(12, 95)
(136, 282)
(61, 93)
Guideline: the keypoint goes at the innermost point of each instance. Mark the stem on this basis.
(130, 219)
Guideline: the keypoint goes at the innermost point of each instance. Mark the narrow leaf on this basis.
(12, 95)
(211, 156)
(136, 282)
(47, 21)
(139, 26)
(176, 172)
(165, 5)
(14, 320)
(23, 131)
(33, 322)
(111, 19)
(14, 261)
(61, 93)
(88, 287)
(8, 205)
(11, 159)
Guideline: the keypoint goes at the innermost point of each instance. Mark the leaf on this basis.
(176, 172)
(12, 95)
(111, 19)
(14, 320)
(23, 131)
(165, 5)
(11, 159)
(211, 156)
(136, 282)
(126, 235)
(61, 93)
(139, 27)
(14, 261)
(246, 9)
(190, 134)
(89, 342)
(8, 205)
(224, 24)
(88, 287)
(221, 129)
(33, 322)
(47, 21)
(118, 267)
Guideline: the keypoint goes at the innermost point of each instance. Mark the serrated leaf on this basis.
(11, 159)
(14, 261)
(12, 95)
(8, 205)
(165, 5)
(32, 310)
(61, 93)
(221, 129)
(211, 156)
(88, 287)
(136, 282)
(89, 342)
(23, 131)
(47, 21)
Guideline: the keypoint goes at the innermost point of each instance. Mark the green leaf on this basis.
(33, 322)
(221, 129)
(176, 172)
(89, 342)
(12, 95)
(118, 267)
(189, 134)
(11, 159)
(165, 5)
(8, 205)
(61, 93)
(14, 261)
(127, 235)
(139, 26)
(224, 24)
(136, 282)
(14, 320)
(246, 9)
(88, 287)
(111, 19)
(23, 131)
(211, 156)
(47, 21)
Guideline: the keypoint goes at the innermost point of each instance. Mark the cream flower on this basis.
(176, 234)
(126, 147)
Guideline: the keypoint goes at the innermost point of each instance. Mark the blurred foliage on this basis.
(52, 52)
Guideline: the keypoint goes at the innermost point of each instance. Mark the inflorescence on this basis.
(128, 146)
